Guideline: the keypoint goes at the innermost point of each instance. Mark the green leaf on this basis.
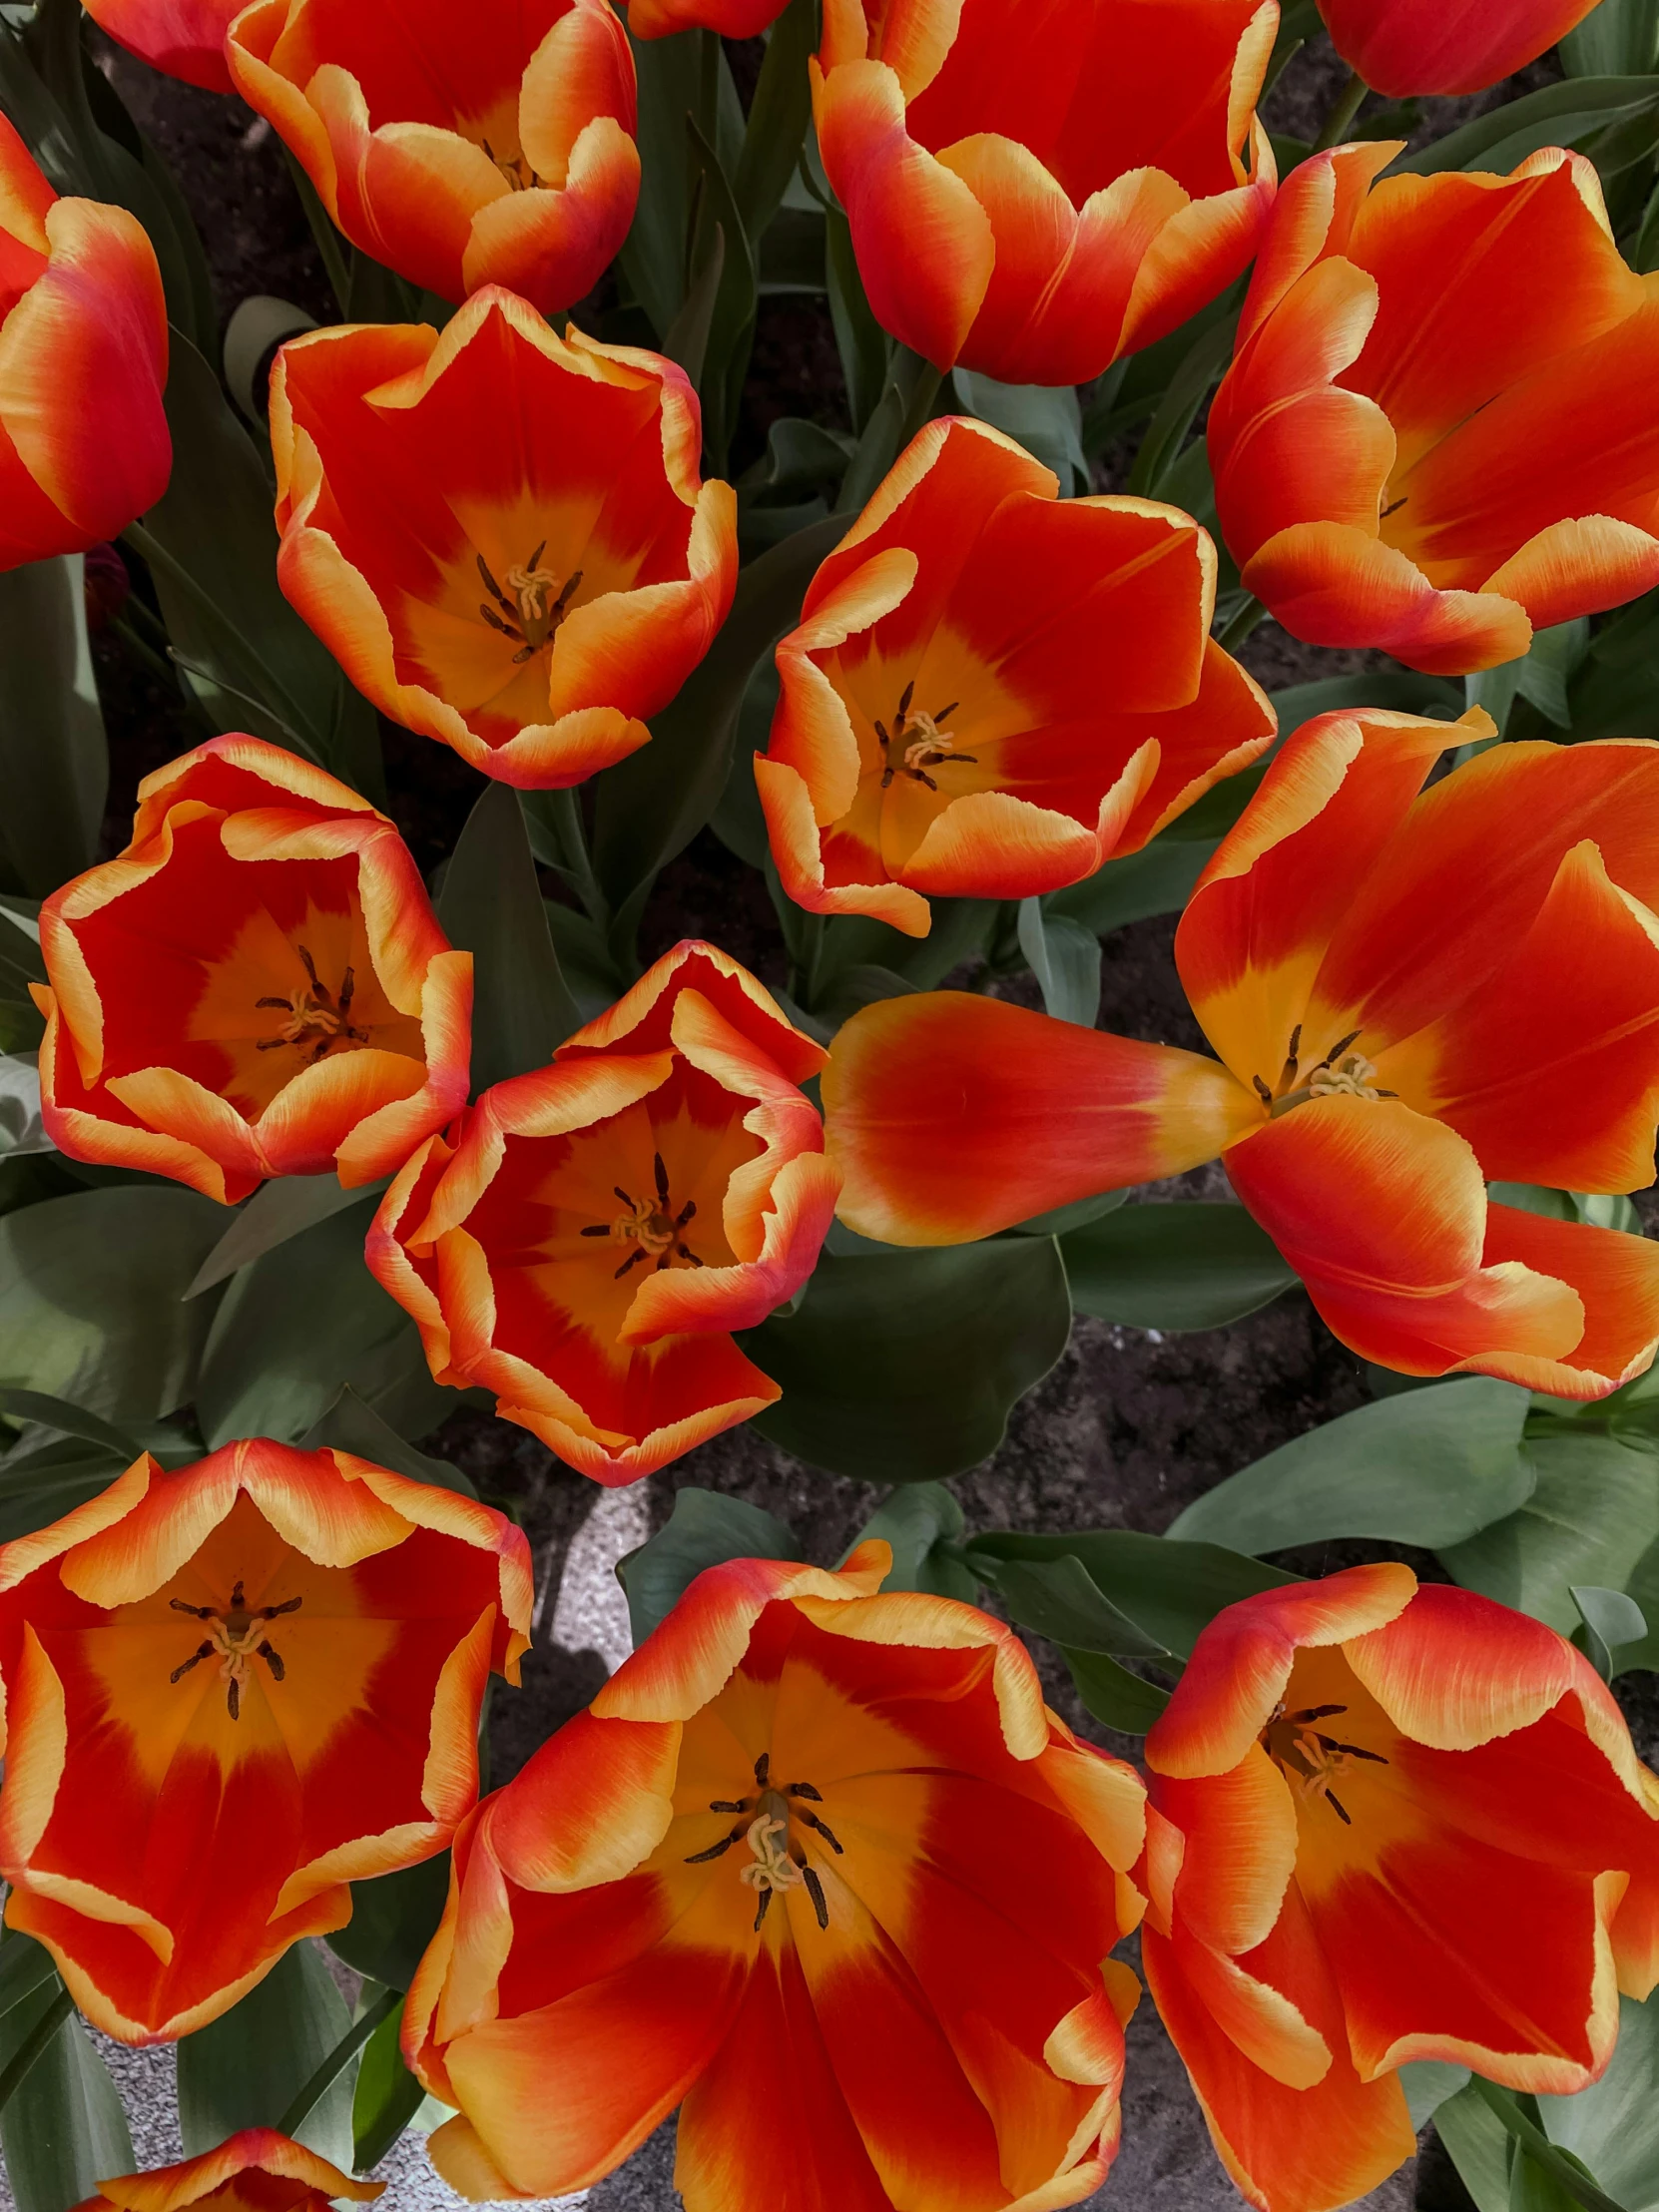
(1174, 1266)
(297, 1325)
(777, 118)
(331, 2069)
(491, 906)
(903, 1366)
(1401, 690)
(1115, 1696)
(1200, 370)
(1045, 419)
(63, 2129)
(1561, 2166)
(348, 1424)
(1610, 1618)
(919, 1519)
(1065, 959)
(859, 339)
(1620, 38)
(1478, 2145)
(731, 318)
(246, 2068)
(1559, 115)
(90, 1291)
(1169, 1591)
(70, 1420)
(1158, 880)
(1430, 1467)
(962, 928)
(1060, 1599)
(705, 1529)
(278, 1210)
(393, 1919)
(1544, 675)
(387, 2095)
(1427, 2083)
(54, 763)
(1613, 2124)
(653, 259)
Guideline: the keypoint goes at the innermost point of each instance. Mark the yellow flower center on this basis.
(236, 1637)
(532, 605)
(778, 1853)
(314, 1016)
(1341, 1072)
(925, 742)
(649, 1226)
(1310, 1760)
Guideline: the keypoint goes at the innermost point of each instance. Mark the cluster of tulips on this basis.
(818, 1867)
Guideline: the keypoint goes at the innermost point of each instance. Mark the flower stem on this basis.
(1344, 108)
(1242, 623)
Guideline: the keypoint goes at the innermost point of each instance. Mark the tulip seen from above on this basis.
(993, 691)
(256, 2170)
(1399, 982)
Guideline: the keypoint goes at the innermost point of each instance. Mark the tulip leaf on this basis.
(1620, 38)
(54, 762)
(1574, 2180)
(1610, 1619)
(1428, 1466)
(63, 2129)
(70, 1420)
(705, 1529)
(393, 1919)
(348, 1424)
(1168, 1590)
(859, 339)
(1200, 370)
(387, 2095)
(731, 334)
(1060, 1599)
(1175, 1266)
(1046, 420)
(924, 1523)
(1065, 959)
(1117, 1697)
(1158, 880)
(246, 2068)
(491, 906)
(1560, 115)
(91, 1290)
(1478, 2145)
(777, 118)
(903, 1366)
(1612, 2125)
(297, 1323)
(278, 1210)
(374, 2010)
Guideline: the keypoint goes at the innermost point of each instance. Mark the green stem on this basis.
(1242, 623)
(900, 414)
(352, 2042)
(22, 2061)
(1537, 2145)
(147, 657)
(559, 815)
(328, 242)
(810, 962)
(1344, 108)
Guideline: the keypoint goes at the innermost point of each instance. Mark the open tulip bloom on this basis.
(1401, 47)
(230, 1692)
(256, 987)
(992, 690)
(1034, 197)
(820, 1863)
(1379, 487)
(502, 156)
(587, 1239)
(500, 534)
(1389, 1824)
(84, 444)
(256, 2170)
(1411, 990)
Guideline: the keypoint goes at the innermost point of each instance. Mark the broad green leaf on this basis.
(1065, 959)
(1620, 38)
(917, 1519)
(705, 1529)
(905, 1366)
(1528, 2138)
(1611, 1620)
(1478, 2146)
(1158, 880)
(70, 1420)
(1169, 1591)
(859, 339)
(731, 321)
(54, 763)
(1175, 1266)
(1060, 1599)
(1059, 1221)
(26, 1969)
(1612, 692)
(1430, 1467)
(1115, 1696)
(91, 1298)
(1613, 2124)
(777, 118)
(393, 1919)
(1545, 674)
(1427, 2083)
(1047, 419)
(387, 2095)
(1399, 691)
(246, 2068)
(278, 1210)
(491, 906)
(962, 928)
(349, 1424)
(63, 2130)
(1559, 115)
(1201, 369)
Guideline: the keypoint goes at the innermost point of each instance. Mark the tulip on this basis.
(256, 987)
(820, 1863)
(1034, 199)
(1382, 484)
(182, 38)
(256, 2170)
(230, 1692)
(585, 1241)
(1411, 991)
(1401, 47)
(500, 534)
(1391, 1823)
(492, 149)
(730, 18)
(84, 444)
(992, 692)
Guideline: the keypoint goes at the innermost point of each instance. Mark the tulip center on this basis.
(778, 1860)
(920, 741)
(236, 1637)
(1341, 1072)
(1310, 1760)
(513, 167)
(650, 1226)
(314, 1017)
(532, 605)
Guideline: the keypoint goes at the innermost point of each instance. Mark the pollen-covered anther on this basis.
(1352, 1076)
(1310, 1760)
(237, 1637)
(314, 1016)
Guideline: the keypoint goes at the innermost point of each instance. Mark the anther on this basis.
(1339, 1048)
(729, 1804)
(815, 1889)
(762, 1764)
(805, 1790)
(716, 1851)
(762, 1910)
(811, 1820)
(1262, 1091)
(203, 1651)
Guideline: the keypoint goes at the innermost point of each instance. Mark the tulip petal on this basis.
(1332, 584)
(1445, 46)
(1616, 1280)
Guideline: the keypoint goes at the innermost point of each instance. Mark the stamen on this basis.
(1262, 1091)
(760, 1766)
(716, 1851)
(728, 1805)
(815, 1889)
(811, 1820)
(805, 1790)
(203, 1651)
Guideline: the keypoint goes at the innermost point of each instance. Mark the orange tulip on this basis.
(1437, 431)
(1390, 1824)
(501, 535)
(820, 1863)
(83, 442)
(731, 18)
(182, 38)
(948, 724)
(494, 148)
(230, 1691)
(256, 2171)
(1402, 47)
(1033, 198)
(587, 1239)
(256, 987)
(1411, 991)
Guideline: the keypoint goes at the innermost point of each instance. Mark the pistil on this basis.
(649, 1226)
(779, 1859)
(537, 604)
(926, 745)
(1310, 1759)
(313, 1013)
(1342, 1073)
(238, 1637)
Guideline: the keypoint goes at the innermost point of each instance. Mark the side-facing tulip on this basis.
(992, 691)
(256, 987)
(256, 2170)
(1411, 991)
(500, 534)
(83, 442)
(494, 148)
(730, 18)
(1389, 1823)
(820, 1863)
(1401, 47)
(230, 1692)
(585, 1239)
(1033, 198)
(1381, 485)
(182, 38)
